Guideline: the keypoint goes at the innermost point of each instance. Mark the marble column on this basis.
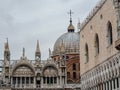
(34, 82)
(105, 86)
(109, 85)
(60, 81)
(29, 81)
(112, 85)
(49, 80)
(57, 81)
(95, 87)
(115, 83)
(21, 82)
(12, 81)
(41, 81)
(46, 80)
(16, 82)
(25, 81)
(52, 80)
(102, 86)
(119, 82)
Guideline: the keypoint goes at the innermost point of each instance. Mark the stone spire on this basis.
(50, 53)
(6, 51)
(23, 57)
(6, 66)
(7, 46)
(23, 52)
(70, 27)
(37, 47)
(37, 53)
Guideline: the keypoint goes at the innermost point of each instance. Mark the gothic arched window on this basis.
(86, 53)
(109, 33)
(74, 75)
(96, 44)
(68, 74)
(74, 66)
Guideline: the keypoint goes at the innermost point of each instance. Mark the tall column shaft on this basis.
(17, 81)
(110, 85)
(34, 82)
(21, 82)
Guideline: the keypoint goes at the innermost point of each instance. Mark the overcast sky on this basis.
(24, 22)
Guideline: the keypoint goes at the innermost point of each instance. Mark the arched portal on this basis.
(50, 75)
(23, 76)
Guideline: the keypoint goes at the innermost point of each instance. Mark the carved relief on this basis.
(23, 70)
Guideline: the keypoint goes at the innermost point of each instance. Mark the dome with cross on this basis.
(70, 40)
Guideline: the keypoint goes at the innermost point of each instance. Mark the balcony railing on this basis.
(50, 86)
(22, 86)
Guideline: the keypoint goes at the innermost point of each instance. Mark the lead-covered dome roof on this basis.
(70, 41)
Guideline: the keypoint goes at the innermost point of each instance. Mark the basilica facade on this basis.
(60, 71)
(33, 74)
(99, 47)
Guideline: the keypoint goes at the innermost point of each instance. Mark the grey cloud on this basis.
(25, 21)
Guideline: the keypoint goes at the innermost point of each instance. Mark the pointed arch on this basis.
(74, 66)
(96, 44)
(86, 53)
(74, 75)
(68, 75)
(109, 33)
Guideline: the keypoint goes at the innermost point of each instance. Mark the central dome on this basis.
(70, 40)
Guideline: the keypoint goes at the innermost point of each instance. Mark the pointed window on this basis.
(86, 53)
(68, 74)
(74, 75)
(96, 45)
(74, 66)
(109, 33)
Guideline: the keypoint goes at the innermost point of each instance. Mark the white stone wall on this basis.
(102, 71)
(98, 25)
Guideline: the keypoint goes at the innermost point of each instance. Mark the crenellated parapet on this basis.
(92, 13)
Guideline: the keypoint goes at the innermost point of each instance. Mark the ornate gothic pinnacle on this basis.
(7, 45)
(23, 52)
(37, 47)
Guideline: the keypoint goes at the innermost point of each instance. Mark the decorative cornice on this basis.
(92, 13)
